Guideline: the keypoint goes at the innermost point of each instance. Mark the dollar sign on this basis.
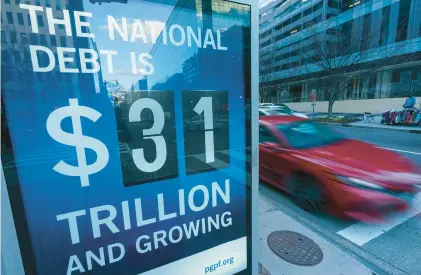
(77, 139)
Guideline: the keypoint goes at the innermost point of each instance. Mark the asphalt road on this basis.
(394, 245)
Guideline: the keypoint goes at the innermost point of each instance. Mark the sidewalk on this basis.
(334, 261)
(377, 125)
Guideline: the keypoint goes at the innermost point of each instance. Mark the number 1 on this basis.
(204, 105)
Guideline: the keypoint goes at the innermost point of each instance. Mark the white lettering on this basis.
(161, 239)
(178, 235)
(32, 15)
(108, 221)
(224, 196)
(93, 60)
(205, 198)
(161, 209)
(214, 223)
(79, 24)
(139, 215)
(226, 221)
(112, 24)
(192, 229)
(72, 219)
(35, 62)
(147, 244)
(182, 35)
(111, 255)
(181, 202)
(138, 31)
(126, 215)
(218, 39)
(209, 40)
(74, 260)
(91, 256)
(197, 38)
(149, 67)
(109, 56)
(62, 60)
(54, 21)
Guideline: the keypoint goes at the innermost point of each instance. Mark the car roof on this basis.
(280, 119)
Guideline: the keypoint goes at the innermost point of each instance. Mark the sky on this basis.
(153, 13)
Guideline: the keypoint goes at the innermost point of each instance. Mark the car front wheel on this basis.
(306, 192)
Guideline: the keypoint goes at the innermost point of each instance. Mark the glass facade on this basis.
(370, 43)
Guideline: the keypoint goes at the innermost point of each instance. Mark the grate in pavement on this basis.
(295, 248)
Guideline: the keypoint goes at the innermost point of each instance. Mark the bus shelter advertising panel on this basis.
(126, 148)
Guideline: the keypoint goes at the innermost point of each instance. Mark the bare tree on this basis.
(341, 54)
(267, 67)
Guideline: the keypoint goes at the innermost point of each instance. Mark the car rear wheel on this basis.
(306, 192)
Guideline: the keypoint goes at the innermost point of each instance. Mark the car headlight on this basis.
(359, 183)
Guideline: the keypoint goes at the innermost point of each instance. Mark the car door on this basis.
(268, 155)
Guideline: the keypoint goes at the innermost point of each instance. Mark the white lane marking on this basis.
(397, 150)
(361, 233)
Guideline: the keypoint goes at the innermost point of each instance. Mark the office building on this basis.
(374, 46)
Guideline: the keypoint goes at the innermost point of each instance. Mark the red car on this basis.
(325, 171)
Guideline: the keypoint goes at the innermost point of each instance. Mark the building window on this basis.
(7, 1)
(23, 38)
(53, 41)
(43, 40)
(416, 81)
(20, 19)
(403, 20)
(47, 3)
(3, 36)
(9, 17)
(63, 41)
(29, 20)
(17, 2)
(34, 39)
(401, 82)
(13, 38)
(384, 28)
(40, 20)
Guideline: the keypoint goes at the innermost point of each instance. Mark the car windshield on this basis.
(306, 134)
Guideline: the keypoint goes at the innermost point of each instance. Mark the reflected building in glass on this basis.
(387, 34)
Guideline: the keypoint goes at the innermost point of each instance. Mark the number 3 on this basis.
(153, 133)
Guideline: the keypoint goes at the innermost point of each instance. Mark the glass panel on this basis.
(128, 129)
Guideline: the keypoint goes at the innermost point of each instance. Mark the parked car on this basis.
(266, 105)
(294, 113)
(325, 171)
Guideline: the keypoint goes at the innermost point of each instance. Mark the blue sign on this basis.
(126, 142)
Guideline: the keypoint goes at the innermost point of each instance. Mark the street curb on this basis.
(377, 265)
(375, 128)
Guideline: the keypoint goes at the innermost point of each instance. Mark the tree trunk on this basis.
(330, 108)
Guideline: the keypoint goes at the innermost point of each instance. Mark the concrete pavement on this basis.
(378, 126)
(391, 247)
(335, 261)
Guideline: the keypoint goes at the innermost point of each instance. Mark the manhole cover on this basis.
(295, 248)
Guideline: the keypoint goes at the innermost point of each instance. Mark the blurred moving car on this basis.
(273, 112)
(325, 171)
